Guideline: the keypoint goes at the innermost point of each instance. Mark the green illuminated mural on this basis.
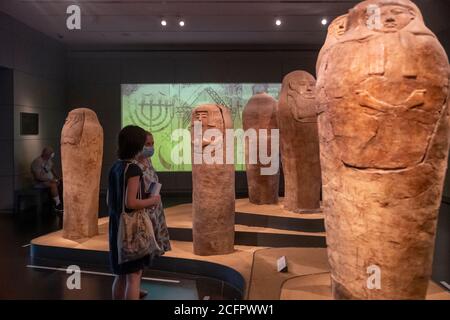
(163, 108)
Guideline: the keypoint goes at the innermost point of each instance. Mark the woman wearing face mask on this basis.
(143, 160)
(124, 189)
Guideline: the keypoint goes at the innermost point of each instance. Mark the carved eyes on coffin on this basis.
(306, 89)
(73, 129)
(396, 18)
(201, 116)
(398, 11)
(73, 120)
(340, 27)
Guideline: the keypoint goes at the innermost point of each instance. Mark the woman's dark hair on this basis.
(131, 141)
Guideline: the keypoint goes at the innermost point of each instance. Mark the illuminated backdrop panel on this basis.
(163, 108)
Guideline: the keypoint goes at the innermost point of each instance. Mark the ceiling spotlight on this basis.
(163, 22)
(278, 22)
(181, 23)
(324, 21)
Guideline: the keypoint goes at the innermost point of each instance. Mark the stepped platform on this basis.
(250, 271)
(258, 225)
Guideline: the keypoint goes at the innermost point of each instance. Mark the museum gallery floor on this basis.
(264, 233)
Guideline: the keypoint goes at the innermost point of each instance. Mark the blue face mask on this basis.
(147, 152)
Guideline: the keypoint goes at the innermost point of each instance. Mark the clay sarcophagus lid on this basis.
(213, 182)
(336, 30)
(260, 113)
(299, 142)
(384, 139)
(81, 154)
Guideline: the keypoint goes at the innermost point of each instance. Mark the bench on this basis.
(39, 197)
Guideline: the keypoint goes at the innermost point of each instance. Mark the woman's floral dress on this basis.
(157, 213)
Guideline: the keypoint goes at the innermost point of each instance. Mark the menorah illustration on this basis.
(148, 112)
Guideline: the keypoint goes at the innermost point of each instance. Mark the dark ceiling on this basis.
(250, 22)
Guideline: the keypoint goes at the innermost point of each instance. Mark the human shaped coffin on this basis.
(335, 31)
(384, 135)
(81, 153)
(213, 181)
(299, 142)
(260, 113)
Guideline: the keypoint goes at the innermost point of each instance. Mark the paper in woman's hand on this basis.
(154, 188)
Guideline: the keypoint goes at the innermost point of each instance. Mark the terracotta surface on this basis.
(260, 113)
(336, 30)
(299, 142)
(384, 132)
(318, 287)
(81, 153)
(213, 189)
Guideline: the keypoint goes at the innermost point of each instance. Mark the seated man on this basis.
(45, 176)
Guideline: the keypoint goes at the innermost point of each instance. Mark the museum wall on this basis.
(38, 66)
(441, 264)
(94, 80)
(6, 135)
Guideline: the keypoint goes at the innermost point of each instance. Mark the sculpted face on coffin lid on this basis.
(81, 155)
(336, 30)
(299, 144)
(260, 113)
(384, 139)
(301, 98)
(213, 193)
(391, 85)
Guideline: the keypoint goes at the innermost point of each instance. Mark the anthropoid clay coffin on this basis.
(81, 153)
(299, 142)
(335, 31)
(384, 134)
(260, 113)
(213, 192)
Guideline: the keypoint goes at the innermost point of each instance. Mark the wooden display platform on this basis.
(251, 268)
(258, 225)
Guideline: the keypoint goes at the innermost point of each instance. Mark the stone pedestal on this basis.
(299, 144)
(213, 185)
(260, 113)
(81, 153)
(384, 134)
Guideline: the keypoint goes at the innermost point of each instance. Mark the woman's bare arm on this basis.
(132, 202)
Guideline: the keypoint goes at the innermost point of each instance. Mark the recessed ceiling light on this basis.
(278, 22)
(324, 21)
(181, 23)
(163, 22)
